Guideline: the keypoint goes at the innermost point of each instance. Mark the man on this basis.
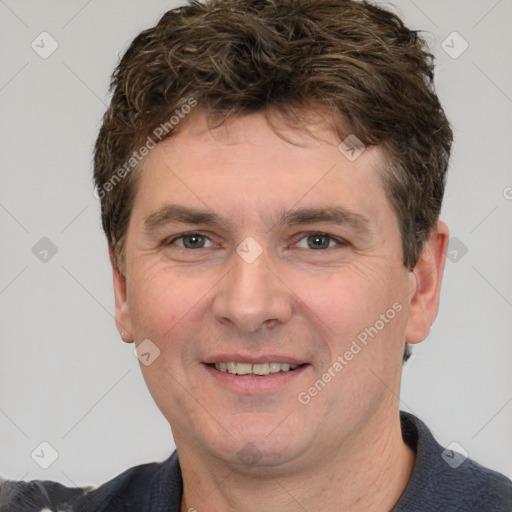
(271, 175)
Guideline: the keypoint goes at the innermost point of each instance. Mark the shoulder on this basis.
(154, 487)
(151, 486)
(444, 480)
(34, 496)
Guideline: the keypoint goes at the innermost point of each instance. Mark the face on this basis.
(248, 256)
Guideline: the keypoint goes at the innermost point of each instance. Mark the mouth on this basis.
(254, 369)
(255, 375)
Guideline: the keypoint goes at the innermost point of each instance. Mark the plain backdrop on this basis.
(67, 379)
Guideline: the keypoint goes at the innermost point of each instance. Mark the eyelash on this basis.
(339, 241)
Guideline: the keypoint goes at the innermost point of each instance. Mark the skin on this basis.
(342, 450)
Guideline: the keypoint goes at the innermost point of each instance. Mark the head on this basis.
(226, 120)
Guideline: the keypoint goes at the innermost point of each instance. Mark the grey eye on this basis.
(191, 241)
(317, 241)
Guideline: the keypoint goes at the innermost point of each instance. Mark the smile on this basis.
(251, 374)
(252, 370)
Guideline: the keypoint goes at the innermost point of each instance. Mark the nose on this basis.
(252, 296)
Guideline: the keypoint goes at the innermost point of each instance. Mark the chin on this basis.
(255, 444)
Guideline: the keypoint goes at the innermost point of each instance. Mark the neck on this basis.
(368, 473)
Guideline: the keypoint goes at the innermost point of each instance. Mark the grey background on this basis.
(65, 376)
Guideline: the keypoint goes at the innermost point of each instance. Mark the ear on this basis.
(426, 280)
(123, 321)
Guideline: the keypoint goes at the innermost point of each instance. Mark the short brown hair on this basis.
(233, 57)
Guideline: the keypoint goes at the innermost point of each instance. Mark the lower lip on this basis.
(253, 385)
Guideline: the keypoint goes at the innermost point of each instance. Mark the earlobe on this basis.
(122, 314)
(426, 285)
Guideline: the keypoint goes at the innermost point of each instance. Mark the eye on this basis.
(190, 241)
(319, 241)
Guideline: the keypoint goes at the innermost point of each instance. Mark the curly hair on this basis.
(355, 60)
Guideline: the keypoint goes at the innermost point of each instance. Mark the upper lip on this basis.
(253, 359)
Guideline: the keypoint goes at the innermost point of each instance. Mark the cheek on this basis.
(357, 303)
(362, 313)
(156, 302)
(169, 307)
(161, 307)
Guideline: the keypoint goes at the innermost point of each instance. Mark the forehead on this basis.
(245, 165)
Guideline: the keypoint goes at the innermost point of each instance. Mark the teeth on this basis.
(254, 369)
(261, 369)
(274, 367)
(243, 368)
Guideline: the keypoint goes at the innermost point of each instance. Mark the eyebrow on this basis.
(175, 213)
(331, 214)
